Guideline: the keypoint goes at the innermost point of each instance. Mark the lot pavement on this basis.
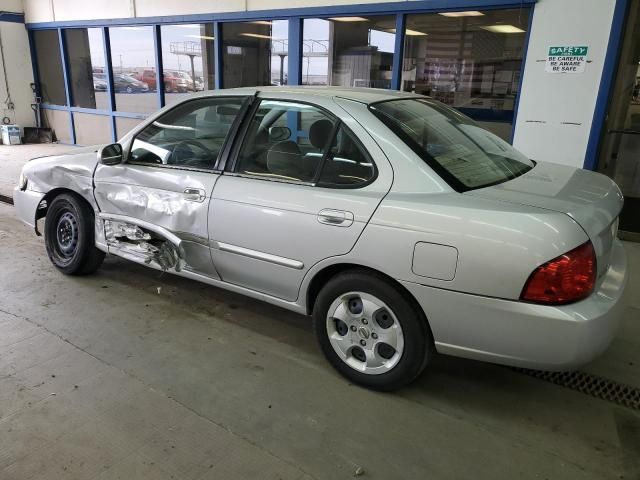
(130, 374)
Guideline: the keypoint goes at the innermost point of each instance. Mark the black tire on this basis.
(70, 236)
(418, 341)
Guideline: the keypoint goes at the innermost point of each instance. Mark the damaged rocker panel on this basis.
(143, 242)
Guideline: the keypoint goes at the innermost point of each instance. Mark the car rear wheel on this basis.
(370, 331)
(70, 236)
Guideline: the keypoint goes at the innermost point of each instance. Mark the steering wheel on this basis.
(176, 156)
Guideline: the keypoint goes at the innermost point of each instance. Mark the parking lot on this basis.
(130, 373)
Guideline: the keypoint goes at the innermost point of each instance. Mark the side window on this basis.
(190, 135)
(286, 141)
(347, 164)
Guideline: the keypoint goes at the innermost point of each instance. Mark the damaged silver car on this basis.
(400, 225)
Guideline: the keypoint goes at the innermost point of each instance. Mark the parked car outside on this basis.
(126, 84)
(99, 84)
(149, 77)
(184, 83)
(402, 227)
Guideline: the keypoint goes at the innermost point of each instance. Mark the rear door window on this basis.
(286, 141)
(347, 163)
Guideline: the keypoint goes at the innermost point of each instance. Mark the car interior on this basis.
(190, 139)
(272, 150)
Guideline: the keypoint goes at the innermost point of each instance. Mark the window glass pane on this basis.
(92, 129)
(471, 62)
(464, 154)
(190, 135)
(85, 51)
(187, 60)
(125, 125)
(49, 64)
(58, 121)
(132, 51)
(346, 164)
(348, 51)
(255, 53)
(285, 141)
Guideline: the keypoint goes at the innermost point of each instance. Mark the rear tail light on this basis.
(567, 278)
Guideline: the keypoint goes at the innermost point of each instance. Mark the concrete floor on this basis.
(13, 157)
(108, 377)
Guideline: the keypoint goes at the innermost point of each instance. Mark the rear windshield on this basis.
(461, 152)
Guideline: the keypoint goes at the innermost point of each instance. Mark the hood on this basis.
(73, 151)
(46, 173)
(593, 200)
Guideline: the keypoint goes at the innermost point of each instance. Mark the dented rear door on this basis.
(154, 206)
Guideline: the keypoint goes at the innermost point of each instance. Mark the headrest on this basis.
(319, 133)
(285, 159)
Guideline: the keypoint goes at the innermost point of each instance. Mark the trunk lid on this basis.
(593, 200)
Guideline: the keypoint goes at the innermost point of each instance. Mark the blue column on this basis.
(607, 80)
(108, 72)
(396, 75)
(294, 65)
(67, 85)
(157, 45)
(34, 62)
(217, 54)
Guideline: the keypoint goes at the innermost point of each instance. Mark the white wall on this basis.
(550, 103)
(59, 10)
(11, 6)
(19, 74)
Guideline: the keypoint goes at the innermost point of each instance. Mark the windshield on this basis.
(464, 154)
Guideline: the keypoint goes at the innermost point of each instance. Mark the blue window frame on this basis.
(295, 17)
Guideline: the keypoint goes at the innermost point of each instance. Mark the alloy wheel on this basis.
(365, 333)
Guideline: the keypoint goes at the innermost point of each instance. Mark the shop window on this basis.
(132, 52)
(255, 53)
(348, 51)
(187, 60)
(92, 129)
(58, 121)
(49, 63)
(468, 60)
(85, 51)
(124, 125)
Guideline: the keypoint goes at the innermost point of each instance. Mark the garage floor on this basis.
(130, 374)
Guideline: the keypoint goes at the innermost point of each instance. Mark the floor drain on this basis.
(593, 385)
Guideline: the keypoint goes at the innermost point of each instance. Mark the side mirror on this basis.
(110, 154)
(279, 134)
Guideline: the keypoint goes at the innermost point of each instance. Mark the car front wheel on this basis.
(370, 331)
(70, 236)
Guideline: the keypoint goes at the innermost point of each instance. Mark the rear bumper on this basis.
(26, 203)
(527, 335)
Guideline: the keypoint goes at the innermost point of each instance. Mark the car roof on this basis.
(362, 95)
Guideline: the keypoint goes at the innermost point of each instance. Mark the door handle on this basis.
(337, 218)
(194, 195)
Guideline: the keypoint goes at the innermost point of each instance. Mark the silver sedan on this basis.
(398, 224)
